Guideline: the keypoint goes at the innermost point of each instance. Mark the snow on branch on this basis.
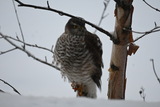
(61, 13)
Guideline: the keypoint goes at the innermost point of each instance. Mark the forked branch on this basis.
(31, 45)
(26, 51)
(106, 2)
(153, 30)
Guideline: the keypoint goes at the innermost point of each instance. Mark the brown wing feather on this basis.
(94, 45)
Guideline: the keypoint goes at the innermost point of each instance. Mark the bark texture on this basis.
(118, 63)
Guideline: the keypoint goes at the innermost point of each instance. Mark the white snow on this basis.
(9, 100)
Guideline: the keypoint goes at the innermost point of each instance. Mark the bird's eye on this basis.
(75, 26)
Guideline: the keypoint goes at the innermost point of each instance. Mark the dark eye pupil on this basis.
(74, 26)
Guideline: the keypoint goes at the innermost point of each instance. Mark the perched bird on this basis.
(78, 53)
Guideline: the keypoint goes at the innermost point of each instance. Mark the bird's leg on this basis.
(74, 86)
(78, 88)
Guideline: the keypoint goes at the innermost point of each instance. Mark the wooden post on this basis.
(118, 63)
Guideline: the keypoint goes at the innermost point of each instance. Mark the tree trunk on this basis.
(118, 63)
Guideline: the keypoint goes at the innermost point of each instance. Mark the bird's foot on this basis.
(78, 88)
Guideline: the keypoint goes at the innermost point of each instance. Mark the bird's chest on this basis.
(76, 54)
(75, 46)
(76, 59)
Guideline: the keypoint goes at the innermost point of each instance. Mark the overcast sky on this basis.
(32, 78)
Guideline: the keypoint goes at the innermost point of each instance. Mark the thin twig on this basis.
(2, 91)
(27, 52)
(154, 70)
(10, 86)
(151, 6)
(19, 24)
(156, 29)
(52, 48)
(106, 2)
(69, 15)
(153, 30)
(45, 58)
(48, 4)
(4, 52)
(27, 44)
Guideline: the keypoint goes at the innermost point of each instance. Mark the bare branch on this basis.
(106, 2)
(156, 29)
(48, 4)
(45, 58)
(10, 86)
(69, 15)
(52, 48)
(153, 30)
(27, 44)
(151, 6)
(4, 52)
(2, 91)
(27, 52)
(19, 24)
(152, 60)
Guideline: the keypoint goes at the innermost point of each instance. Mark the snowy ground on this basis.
(8, 100)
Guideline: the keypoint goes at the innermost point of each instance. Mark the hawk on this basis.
(78, 53)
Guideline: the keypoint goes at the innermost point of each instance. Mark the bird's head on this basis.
(75, 26)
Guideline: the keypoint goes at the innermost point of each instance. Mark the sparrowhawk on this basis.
(78, 53)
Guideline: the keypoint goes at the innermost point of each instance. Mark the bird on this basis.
(78, 54)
